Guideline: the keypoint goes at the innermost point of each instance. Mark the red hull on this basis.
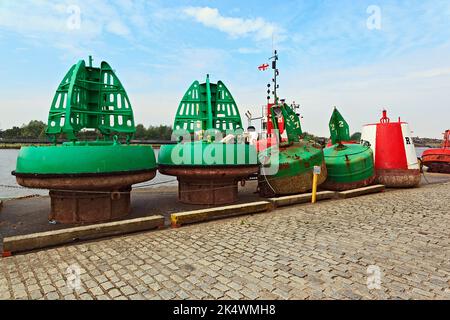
(437, 160)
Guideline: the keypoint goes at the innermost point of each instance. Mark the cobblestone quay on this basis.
(393, 245)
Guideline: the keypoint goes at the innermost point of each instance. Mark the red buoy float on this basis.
(396, 162)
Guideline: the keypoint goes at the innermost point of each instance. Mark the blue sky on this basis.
(328, 55)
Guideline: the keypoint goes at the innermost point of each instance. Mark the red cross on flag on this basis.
(263, 67)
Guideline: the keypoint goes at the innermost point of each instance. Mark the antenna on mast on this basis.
(274, 59)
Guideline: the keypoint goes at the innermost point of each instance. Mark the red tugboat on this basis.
(438, 160)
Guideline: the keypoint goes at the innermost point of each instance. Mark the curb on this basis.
(63, 236)
(182, 218)
(301, 198)
(361, 191)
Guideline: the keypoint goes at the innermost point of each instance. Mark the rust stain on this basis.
(284, 166)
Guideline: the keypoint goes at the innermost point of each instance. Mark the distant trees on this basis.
(161, 132)
(35, 129)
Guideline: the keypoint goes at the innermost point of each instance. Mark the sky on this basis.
(361, 56)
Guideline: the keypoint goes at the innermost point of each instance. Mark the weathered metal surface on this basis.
(79, 199)
(85, 207)
(270, 186)
(208, 185)
(329, 184)
(85, 182)
(398, 178)
(438, 167)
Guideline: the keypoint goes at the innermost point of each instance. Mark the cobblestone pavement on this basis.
(334, 249)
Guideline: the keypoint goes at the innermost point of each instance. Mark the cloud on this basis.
(431, 73)
(69, 25)
(258, 28)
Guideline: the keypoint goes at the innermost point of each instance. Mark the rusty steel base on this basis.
(398, 178)
(439, 167)
(208, 185)
(87, 198)
(89, 207)
(341, 186)
(270, 186)
(212, 192)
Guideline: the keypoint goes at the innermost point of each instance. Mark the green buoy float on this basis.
(211, 155)
(287, 166)
(350, 165)
(89, 181)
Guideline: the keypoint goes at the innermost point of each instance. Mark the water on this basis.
(420, 150)
(8, 163)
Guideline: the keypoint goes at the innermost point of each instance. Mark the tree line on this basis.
(35, 130)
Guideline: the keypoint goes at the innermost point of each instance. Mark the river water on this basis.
(10, 189)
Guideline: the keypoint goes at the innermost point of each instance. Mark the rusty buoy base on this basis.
(89, 207)
(271, 186)
(398, 178)
(87, 198)
(208, 185)
(343, 186)
(210, 192)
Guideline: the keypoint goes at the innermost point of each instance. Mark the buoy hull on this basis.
(88, 181)
(349, 166)
(398, 178)
(103, 197)
(437, 160)
(208, 185)
(343, 186)
(395, 158)
(301, 183)
(295, 169)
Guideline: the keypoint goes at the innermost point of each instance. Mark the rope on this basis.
(423, 173)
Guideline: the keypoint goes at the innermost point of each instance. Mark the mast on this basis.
(274, 59)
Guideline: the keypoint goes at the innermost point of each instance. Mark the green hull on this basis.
(85, 158)
(201, 153)
(349, 166)
(295, 169)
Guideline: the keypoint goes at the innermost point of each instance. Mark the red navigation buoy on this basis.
(396, 162)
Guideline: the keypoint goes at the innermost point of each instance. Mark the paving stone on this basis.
(298, 252)
(114, 293)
